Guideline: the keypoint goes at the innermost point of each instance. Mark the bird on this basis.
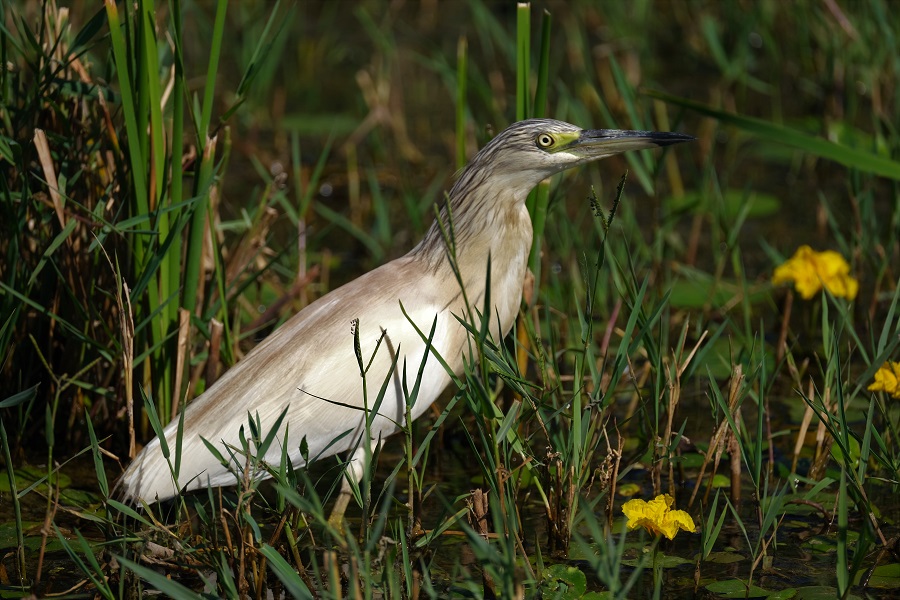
(306, 376)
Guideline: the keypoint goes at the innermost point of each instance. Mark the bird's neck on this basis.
(491, 223)
(479, 219)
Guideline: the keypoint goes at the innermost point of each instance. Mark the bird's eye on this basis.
(544, 140)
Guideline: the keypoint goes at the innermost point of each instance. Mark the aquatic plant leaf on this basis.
(735, 588)
(886, 577)
(724, 558)
(566, 581)
(170, 588)
(820, 592)
(286, 573)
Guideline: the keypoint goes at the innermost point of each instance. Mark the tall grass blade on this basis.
(289, 578)
(853, 158)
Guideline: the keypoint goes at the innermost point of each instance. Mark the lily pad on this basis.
(662, 560)
(690, 460)
(721, 481)
(27, 475)
(821, 543)
(853, 448)
(724, 557)
(32, 537)
(885, 577)
(629, 489)
(820, 592)
(735, 588)
(564, 581)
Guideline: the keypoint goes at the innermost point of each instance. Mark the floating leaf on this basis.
(629, 489)
(724, 558)
(689, 460)
(27, 475)
(721, 481)
(820, 592)
(735, 588)
(838, 454)
(886, 577)
(662, 560)
(564, 581)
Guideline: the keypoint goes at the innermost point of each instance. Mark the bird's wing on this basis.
(309, 368)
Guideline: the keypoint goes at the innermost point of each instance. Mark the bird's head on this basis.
(525, 153)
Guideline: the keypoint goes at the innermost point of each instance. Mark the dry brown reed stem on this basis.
(734, 394)
(207, 263)
(804, 426)
(554, 507)
(46, 159)
(246, 535)
(769, 439)
(639, 384)
(416, 585)
(674, 398)
(333, 569)
(358, 212)
(610, 327)
(823, 440)
(298, 291)
(478, 513)
(216, 329)
(781, 347)
(680, 364)
(354, 591)
(734, 455)
(693, 245)
(126, 326)
(521, 546)
(253, 244)
(614, 475)
(46, 528)
(384, 99)
(717, 443)
(182, 359)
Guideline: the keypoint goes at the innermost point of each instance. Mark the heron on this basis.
(306, 377)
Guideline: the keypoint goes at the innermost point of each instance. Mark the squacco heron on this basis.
(308, 367)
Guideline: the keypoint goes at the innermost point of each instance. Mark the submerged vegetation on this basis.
(179, 178)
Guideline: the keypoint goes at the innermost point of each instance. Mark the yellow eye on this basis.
(544, 140)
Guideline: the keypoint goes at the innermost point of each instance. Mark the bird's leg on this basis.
(521, 333)
(356, 468)
(336, 518)
(528, 285)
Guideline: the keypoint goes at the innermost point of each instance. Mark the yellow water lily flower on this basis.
(657, 517)
(810, 270)
(887, 379)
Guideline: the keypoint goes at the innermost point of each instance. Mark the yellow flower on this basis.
(656, 517)
(887, 379)
(810, 270)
